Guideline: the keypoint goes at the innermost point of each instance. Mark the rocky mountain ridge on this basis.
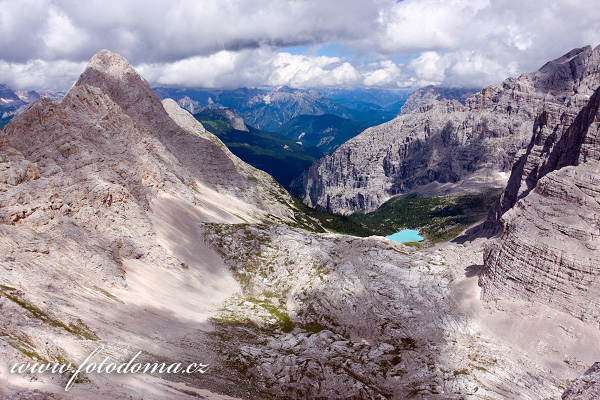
(447, 142)
(548, 214)
(99, 199)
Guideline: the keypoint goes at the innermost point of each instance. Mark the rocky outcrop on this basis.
(426, 95)
(549, 244)
(586, 387)
(556, 142)
(334, 316)
(445, 141)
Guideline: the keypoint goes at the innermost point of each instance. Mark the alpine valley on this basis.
(126, 225)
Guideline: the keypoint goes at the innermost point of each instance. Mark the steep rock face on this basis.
(550, 240)
(556, 142)
(445, 141)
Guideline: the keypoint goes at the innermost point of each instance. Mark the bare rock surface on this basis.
(585, 387)
(100, 196)
(447, 142)
(332, 316)
(426, 95)
(549, 246)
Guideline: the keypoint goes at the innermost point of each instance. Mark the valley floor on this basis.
(285, 313)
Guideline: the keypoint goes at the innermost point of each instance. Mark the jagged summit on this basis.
(112, 74)
(575, 74)
(569, 56)
(110, 63)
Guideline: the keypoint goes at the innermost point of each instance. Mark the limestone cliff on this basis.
(549, 245)
(445, 141)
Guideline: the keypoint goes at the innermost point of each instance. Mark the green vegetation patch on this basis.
(438, 219)
(78, 328)
(279, 156)
(229, 317)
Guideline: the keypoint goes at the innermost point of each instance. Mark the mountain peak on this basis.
(282, 88)
(571, 54)
(115, 77)
(110, 63)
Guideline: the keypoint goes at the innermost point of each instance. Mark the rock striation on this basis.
(446, 141)
(550, 239)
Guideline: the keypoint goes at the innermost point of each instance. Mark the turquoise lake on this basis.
(407, 235)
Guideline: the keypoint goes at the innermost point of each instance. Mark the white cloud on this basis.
(60, 37)
(385, 73)
(478, 42)
(253, 67)
(39, 74)
(230, 43)
(415, 26)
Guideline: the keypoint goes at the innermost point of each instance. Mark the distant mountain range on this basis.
(268, 110)
(362, 99)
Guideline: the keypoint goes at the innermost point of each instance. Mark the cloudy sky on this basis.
(45, 44)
